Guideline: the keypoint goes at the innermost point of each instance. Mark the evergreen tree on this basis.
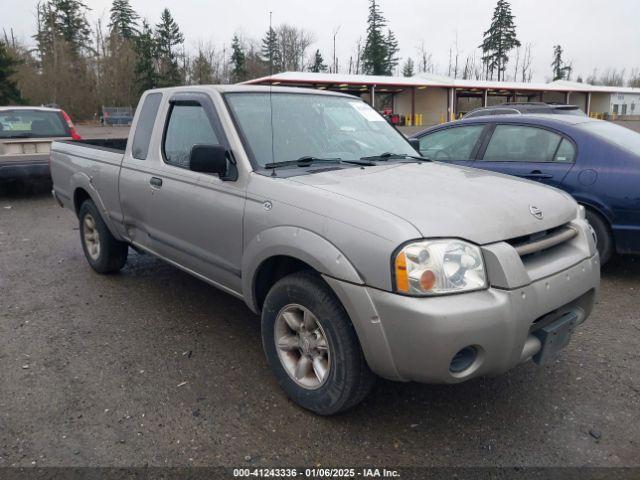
(408, 68)
(499, 40)
(375, 55)
(146, 57)
(123, 19)
(71, 22)
(318, 64)
(561, 70)
(392, 52)
(62, 20)
(238, 61)
(271, 54)
(168, 35)
(9, 93)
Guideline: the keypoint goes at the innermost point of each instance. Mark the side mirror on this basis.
(209, 159)
(415, 143)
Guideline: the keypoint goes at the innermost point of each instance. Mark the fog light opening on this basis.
(463, 359)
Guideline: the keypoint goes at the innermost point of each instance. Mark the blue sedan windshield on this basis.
(621, 136)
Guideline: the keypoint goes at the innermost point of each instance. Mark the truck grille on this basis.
(539, 241)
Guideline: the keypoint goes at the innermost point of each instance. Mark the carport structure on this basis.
(427, 99)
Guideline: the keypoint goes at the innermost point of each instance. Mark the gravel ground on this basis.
(154, 367)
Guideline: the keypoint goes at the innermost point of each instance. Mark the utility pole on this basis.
(335, 61)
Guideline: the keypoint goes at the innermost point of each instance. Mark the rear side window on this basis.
(566, 152)
(451, 144)
(188, 126)
(144, 127)
(517, 143)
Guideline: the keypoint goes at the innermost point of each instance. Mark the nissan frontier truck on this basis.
(363, 258)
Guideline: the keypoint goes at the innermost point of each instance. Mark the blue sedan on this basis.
(595, 161)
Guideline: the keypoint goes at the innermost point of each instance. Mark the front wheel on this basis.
(604, 240)
(104, 253)
(312, 347)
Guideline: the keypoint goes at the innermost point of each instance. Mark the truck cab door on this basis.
(194, 219)
(529, 152)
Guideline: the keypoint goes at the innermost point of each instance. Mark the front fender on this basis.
(83, 181)
(299, 243)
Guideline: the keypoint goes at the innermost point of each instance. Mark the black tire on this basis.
(348, 379)
(604, 240)
(112, 254)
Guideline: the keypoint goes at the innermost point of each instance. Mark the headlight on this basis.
(435, 267)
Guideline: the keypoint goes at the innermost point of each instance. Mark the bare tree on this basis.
(293, 43)
(525, 66)
(634, 78)
(425, 64)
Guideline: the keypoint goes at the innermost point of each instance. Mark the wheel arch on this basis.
(282, 250)
(83, 190)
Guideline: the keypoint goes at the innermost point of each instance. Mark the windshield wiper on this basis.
(302, 162)
(393, 156)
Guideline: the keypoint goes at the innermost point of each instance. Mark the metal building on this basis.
(427, 99)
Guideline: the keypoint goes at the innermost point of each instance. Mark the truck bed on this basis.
(90, 165)
(109, 144)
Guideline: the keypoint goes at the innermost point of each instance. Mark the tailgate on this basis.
(25, 149)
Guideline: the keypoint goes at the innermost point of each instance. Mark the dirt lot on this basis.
(94, 370)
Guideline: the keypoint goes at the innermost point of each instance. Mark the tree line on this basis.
(81, 67)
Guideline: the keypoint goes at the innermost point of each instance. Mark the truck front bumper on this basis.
(416, 339)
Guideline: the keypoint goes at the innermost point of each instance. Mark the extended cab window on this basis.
(518, 143)
(451, 144)
(144, 127)
(188, 126)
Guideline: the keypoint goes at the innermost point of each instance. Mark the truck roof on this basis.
(250, 88)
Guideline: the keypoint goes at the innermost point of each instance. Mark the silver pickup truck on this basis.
(361, 257)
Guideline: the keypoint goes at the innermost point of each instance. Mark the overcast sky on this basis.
(594, 33)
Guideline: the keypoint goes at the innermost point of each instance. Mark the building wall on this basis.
(579, 99)
(625, 104)
(431, 103)
(553, 97)
(600, 102)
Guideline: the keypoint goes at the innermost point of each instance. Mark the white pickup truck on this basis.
(362, 257)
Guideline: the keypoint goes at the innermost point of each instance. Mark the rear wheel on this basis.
(312, 347)
(104, 253)
(604, 239)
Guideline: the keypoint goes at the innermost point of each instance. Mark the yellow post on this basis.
(441, 118)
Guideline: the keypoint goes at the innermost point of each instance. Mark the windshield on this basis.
(309, 125)
(621, 136)
(21, 123)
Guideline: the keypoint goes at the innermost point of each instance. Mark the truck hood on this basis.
(442, 200)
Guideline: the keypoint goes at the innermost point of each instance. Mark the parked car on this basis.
(26, 134)
(361, 257)
(520, 108)
(597, 162)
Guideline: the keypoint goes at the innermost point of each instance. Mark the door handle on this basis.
(155, 182)
(537, 174)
